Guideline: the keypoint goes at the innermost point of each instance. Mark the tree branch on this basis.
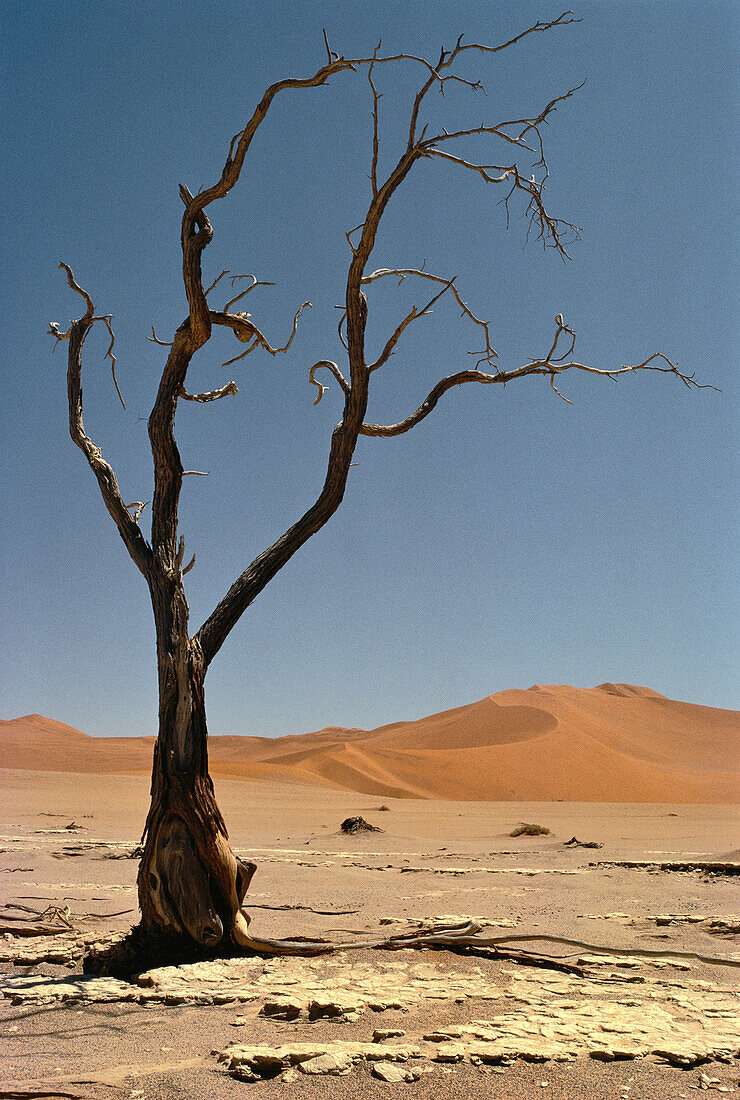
(234, 279)
(250, 583)
(240, 142)
(376, 142)
(196, 233)
(138, 506)
(214, 631)
(561, 21)
(213, 395)
(107, 319)
(551, 231)
(414, 315)
(257, 575)
(166, 456)
(245, 330)
(237, 358)
(216, 281)
(551, 365)
(486, 356)
(154, 339)
(128, 528)
(330, 366)
(434, 76)
(90, 310)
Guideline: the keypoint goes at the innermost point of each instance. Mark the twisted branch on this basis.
(55, 331)
(127, 525)
(72, 282)
(550, 365)
(213, 395)
(330, 366)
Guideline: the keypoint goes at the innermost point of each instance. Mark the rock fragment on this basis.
(332, 1065)
(393, 1073)
(282, 1009)
(720, 926)
(335, 1008)
(382, 1033)
(449, 1052)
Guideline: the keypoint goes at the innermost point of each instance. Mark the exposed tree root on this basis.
(140, 950)
(308, 908)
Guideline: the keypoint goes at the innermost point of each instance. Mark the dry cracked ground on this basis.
(644, 1014)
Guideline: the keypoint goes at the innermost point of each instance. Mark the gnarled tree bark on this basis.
(190, 883)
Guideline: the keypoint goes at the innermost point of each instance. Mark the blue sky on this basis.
(510, 538)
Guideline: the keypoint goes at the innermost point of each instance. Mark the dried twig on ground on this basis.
(308, 908)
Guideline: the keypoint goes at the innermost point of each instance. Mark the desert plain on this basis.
(632, 893)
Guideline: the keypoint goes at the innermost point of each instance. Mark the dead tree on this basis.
(191, 886)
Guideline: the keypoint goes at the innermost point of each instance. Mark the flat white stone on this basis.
(333, 1065)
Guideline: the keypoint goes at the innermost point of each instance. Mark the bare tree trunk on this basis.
(190, 883)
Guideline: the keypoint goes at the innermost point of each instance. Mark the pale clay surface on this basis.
(628, 1008)
(385, 1018)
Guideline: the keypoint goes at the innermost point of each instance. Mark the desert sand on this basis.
(646, 1014)
(612, 743)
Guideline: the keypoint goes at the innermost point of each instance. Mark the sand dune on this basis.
(612, 743)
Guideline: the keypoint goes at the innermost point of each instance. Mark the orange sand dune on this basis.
(612, 743)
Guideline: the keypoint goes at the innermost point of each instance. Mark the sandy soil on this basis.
(434, 859)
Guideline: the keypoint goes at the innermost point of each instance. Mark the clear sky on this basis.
(508, 539)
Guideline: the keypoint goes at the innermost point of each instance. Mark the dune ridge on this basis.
(611, 743)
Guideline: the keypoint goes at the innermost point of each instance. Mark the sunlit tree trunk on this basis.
(190, 883)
